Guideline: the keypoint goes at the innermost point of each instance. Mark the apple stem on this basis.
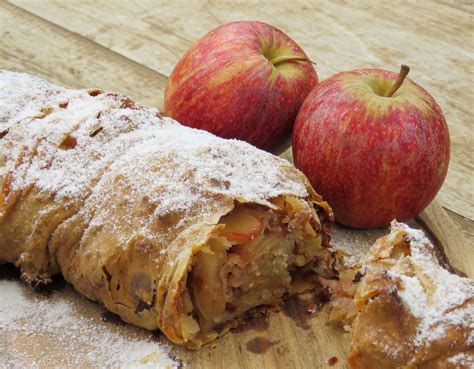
(285, 58)
(404, 70)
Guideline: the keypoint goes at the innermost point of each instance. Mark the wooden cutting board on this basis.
(298, 336)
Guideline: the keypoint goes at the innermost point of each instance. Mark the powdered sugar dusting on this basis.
(51, 327)
(70, 138)
(40, 118)
(354, 243)
(438, 298)
(463, 358)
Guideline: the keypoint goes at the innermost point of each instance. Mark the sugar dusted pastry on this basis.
(168, 227)
(406, 311)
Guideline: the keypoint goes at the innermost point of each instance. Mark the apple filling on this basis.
(254, 256)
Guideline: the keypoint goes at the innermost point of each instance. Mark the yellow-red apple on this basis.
(374, 144)
(243, 80)
(241, 226)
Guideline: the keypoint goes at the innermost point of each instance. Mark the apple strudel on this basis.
(169, 227)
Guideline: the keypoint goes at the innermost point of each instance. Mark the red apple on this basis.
(243, 80)
(374, 144)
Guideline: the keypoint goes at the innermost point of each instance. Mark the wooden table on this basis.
(132, 47)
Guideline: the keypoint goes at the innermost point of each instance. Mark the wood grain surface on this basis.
(132, 47)
(33, 45)
(458, 252)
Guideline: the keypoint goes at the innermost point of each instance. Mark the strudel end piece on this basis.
(404, 309)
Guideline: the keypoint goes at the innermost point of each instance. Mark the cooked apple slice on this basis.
(208, 284)
(241, 226)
